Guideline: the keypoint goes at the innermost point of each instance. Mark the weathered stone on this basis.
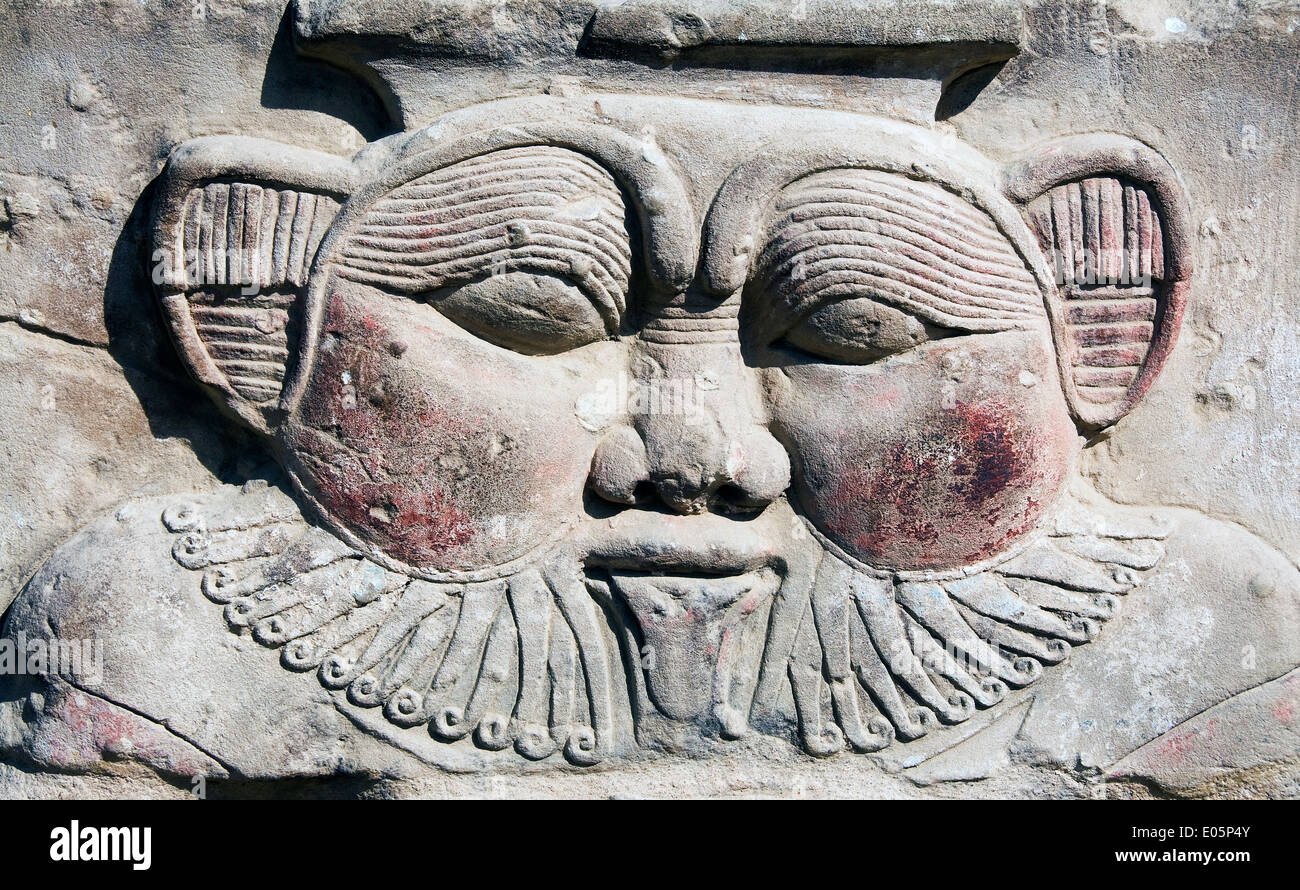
(651, 397)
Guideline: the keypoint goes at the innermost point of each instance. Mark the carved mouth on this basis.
(687, 584)
(701, 546)
(688, 626)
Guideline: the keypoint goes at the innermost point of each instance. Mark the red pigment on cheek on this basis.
(990, 457)
(367, 415)
(381, 482)
(422, 525)
(406, 514)
(954, 494)
(404, 453)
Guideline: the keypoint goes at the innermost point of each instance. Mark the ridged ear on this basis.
(236, 226)
(1111, 217)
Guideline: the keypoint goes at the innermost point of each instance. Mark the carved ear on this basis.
(1111, 217)
(235, 231)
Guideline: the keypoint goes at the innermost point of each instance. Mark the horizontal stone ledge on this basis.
(473, 28)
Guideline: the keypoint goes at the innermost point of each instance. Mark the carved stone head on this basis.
(739, 401)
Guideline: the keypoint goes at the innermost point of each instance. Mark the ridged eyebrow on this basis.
(913, 244)
(533, 209)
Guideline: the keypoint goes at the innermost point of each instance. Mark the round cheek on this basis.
(935, 462)
(442, 452)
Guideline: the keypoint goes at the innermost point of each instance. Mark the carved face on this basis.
(519, 355)
(917, 442)
(889, 343)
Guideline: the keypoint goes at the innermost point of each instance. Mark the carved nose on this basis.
(693, 439)
(707, 467)
(690, 470)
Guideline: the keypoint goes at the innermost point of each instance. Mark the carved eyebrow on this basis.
(533, 209)
(909, 243)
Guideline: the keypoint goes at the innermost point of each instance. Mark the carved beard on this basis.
(601, 644)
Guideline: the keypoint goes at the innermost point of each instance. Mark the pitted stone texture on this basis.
(192, 684)
(680, 390)
(83, 441)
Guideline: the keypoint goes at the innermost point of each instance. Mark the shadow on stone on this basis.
(294, 81)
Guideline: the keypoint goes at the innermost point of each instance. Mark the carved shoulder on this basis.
(160, 656)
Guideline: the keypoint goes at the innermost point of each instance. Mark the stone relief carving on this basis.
(589, 453)
(866, 512)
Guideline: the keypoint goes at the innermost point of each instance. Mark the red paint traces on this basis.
(956, 492)
(991, 454)
(423, 525)
(379, 456)
(397, 505)
(1284, 712)
(1175, 749)
(96, 728)
(412, 456)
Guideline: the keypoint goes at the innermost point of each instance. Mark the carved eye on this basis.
(525, 312)
(860, 330)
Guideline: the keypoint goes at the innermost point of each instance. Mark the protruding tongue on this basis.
(682, 623)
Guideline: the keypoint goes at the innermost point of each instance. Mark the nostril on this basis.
(732, 498)
(644, 492)
(729, 498)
